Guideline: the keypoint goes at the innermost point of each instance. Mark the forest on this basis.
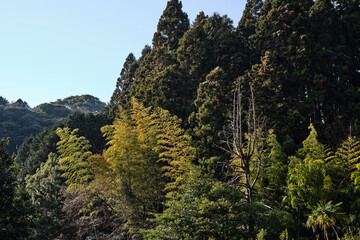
(19, 121)
(217, 131)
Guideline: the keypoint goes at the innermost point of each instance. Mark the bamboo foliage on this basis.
(74, 155)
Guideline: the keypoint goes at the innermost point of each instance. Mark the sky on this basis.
(52, 49)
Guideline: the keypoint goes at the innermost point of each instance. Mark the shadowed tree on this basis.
(246, 31)
(16, 215)
(212, 105)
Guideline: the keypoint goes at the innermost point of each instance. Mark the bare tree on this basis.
(246, 140)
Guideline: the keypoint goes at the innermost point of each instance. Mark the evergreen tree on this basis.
(282, 79)
(212, 105)
(247, 32)
(35, 150)
(203, 209)
(172, 92)
(326, 91)
(171, 26)
(121, 96)
(209, 43)
(347, 61)
(20, 104)
(145, 51)
(306, 69)
(159, 82)
(44, 187)
(89, 126)
(16, 215)
(3, 101)
(252, 12)
(225, 46)
(195, 52)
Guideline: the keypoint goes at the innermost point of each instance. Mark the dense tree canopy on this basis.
(215, 132)
(16, 213)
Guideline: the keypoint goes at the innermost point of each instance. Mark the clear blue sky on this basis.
(51, 49)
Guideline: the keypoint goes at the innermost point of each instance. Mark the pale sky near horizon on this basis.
(55, 49)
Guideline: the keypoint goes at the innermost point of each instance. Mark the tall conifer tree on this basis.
(121, 96)
(194, 53)
(282, 78)
(247, 31)
(159, 82)
(212, 105)
(171, 27)
(15, 211)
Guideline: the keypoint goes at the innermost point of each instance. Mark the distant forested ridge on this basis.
(18, 121)
(217, 131)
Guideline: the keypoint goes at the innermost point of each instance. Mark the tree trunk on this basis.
(326, 232)
(248, 194)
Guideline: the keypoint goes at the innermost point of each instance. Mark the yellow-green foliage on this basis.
(308, 181)
(349, 153)
(148, 139)
(174, 147)
(74, 155)
(148, 154)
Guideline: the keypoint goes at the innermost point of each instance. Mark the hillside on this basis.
(83, 103)
(17, 123)
(18, 120)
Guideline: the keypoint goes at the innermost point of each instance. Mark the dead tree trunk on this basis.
(245, 139)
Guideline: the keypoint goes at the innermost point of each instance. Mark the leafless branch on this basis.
(245, 142)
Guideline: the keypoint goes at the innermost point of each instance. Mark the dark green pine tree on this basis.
(325, 91)
(282, 79)
(307, 73)
(209, 43)
(159, 81)
(137, 89)
(172, 25)
(121, 96)
(44, 188)
(145, 85)
(3, 101)
(248, 21)
(35, 150)
(247, 30)
(15, 211)
(347, 60)
(349, 12)
(204, 208)
(225, 46)
(212, 105)
(144, 52)
(171, 91)
(195, 52)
